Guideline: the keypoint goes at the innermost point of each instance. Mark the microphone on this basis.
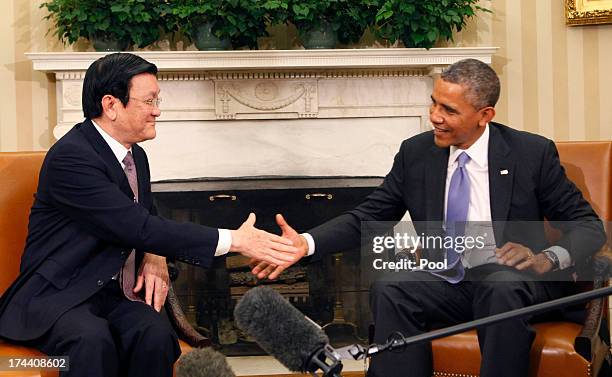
(203, 362)
(285, 333)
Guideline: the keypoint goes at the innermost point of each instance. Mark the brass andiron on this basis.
(191, 308)
(339, 330)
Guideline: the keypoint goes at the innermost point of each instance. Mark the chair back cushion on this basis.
(18, 181)
(589, 165)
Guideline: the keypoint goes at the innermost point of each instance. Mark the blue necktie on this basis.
(458, 201)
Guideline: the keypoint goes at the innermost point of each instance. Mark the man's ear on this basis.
(487, 114)
(109, 107)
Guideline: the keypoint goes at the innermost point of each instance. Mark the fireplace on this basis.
(332, 292)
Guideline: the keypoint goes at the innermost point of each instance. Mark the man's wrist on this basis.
(303, 247)
(553, 259)
(565, 259)
(224, 243)
(310, 249)
(151, 256)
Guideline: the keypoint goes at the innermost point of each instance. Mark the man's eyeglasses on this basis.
(153, 102)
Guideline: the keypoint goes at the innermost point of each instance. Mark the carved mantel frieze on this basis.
(255, 98)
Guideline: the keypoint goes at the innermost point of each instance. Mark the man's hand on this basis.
(262, 246)
(263, 269)
(522, 258)
(153, 275)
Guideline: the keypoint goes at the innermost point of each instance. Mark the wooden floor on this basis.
(267, 366)
(344, 374)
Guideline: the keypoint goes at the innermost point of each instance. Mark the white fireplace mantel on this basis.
(275, 112)
(386, 58)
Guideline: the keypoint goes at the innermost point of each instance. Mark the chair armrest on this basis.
(183, 328)
(173, 271)
(602, 263)
(588, 343)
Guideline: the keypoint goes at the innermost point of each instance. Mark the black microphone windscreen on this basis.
(203, 362)
(278, 327)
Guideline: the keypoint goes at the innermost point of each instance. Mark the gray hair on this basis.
(480, 81)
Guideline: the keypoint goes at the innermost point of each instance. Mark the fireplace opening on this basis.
(332, 292)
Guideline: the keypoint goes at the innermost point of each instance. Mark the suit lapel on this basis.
(501, 180)
(435, 179)
(117, 174)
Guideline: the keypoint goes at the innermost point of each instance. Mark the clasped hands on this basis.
(267, 249)
(271, 254)
(266, 268)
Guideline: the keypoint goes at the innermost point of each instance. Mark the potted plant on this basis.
(358, 16)
(421, 23)
(317, 21)
(321, 23)
(109, 26)
(217, 25)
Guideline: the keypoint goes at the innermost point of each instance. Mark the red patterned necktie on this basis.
(128, 272)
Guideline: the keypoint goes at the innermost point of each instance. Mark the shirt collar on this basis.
(118, 149)
(478, 152)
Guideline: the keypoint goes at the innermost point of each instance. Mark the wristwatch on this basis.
(552, 257)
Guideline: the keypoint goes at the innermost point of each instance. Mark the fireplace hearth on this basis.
(331, 292)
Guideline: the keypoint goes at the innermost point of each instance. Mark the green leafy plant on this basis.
(349, 18)
(242, 21)
(358, 16)
(420, 23)
(311, 14)
(316, 21)
(135, 22)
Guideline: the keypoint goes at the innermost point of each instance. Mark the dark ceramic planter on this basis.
(206, 40)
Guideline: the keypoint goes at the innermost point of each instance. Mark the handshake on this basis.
(270, 254)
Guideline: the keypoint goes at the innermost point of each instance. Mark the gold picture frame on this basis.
(588, 12)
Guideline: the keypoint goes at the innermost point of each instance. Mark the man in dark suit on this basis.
(468, 168)
(79, 293)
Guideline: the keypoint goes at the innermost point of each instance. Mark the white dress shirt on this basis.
(225, 236)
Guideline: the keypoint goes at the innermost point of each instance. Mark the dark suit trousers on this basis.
(110, 336)
(416, 302)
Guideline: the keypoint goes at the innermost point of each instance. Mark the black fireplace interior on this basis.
(332, 292)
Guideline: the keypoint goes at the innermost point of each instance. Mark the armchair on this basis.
(560, 348)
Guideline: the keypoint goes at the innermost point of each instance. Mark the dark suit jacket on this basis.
(535, 187)
(83, 224)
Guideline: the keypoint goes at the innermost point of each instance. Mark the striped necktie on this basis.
(128, 272)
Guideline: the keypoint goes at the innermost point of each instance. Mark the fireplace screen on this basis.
(331, 292)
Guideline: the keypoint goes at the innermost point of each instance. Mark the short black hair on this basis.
(480, 80)
(111, 74)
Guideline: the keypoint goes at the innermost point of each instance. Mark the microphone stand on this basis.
(358, 352)
(325, 359)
